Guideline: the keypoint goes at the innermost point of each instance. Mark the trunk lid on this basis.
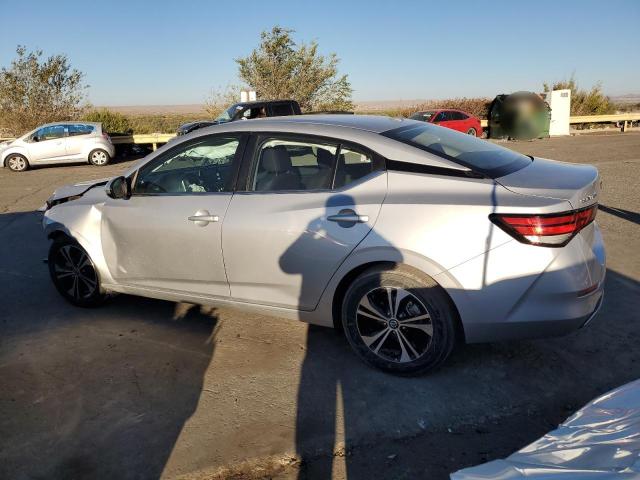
(576, 183)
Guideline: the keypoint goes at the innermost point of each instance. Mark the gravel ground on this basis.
(141, 388)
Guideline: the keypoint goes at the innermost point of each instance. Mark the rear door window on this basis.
(284, 164)
(281, 109)
(441, 117)
(80, 129)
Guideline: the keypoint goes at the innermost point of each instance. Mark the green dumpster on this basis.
(519, 116)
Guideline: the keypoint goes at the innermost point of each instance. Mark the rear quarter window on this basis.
(281, 109)
(481, 156)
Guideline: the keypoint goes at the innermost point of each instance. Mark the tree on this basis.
(279, 68)
(220, 99)
(35, 90)
(584, 102)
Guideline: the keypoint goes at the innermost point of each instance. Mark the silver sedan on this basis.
(409, 236)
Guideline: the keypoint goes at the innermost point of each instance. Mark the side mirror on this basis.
(119, 188)
(35, 138)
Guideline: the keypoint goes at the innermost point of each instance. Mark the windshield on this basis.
(479, 155)
(424, 116)
(227, 114)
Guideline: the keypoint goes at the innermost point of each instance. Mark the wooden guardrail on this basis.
(158, 138)
(152, 138)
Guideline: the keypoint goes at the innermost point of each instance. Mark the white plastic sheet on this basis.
(600, 441)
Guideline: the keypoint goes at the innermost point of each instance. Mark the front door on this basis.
(167, 236)
(47, 144)
(299, 217)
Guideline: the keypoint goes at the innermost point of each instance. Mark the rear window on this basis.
(479, 155)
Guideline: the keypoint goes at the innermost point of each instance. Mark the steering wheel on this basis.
(190, 179)
(149, 184)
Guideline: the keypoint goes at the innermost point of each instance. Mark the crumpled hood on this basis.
(599, 441)
(76, 189)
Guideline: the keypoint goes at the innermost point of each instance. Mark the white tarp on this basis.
(599, 441)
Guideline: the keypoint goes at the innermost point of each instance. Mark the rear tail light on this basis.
(553, 230)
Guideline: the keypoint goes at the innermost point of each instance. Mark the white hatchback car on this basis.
(61, 142)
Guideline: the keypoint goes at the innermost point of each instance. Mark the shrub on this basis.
(475, 106)
(112, 122)
(162, 123)
(584, 102)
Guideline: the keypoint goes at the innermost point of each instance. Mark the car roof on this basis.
(263, 102)
(95, 124)
(369, 123)
(362, 130)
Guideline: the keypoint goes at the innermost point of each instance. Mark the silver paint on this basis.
(281, 254)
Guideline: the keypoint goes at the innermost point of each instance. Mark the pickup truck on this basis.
(246, 111)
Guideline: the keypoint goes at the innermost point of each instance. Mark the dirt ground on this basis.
(142, 389)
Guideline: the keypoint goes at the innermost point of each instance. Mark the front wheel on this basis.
(472, 132)
(74, 274)
(17, 163)
(99, 157)
(399, 320)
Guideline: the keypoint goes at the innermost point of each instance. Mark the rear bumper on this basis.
(523, 291)
(493, 332)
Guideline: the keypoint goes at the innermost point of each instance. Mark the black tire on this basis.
(420, 296)
(74, 274)
(472, 132)
(99, 157)
(17, 162)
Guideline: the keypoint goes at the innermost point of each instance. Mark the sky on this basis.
(175, 52)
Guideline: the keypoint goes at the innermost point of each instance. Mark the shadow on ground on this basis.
(106, 393)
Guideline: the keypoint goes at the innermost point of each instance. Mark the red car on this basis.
(454, 119)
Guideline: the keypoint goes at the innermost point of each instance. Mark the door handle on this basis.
(348, 216)
(202, 218)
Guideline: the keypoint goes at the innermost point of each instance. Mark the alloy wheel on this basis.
(74, 272)
(394, 324)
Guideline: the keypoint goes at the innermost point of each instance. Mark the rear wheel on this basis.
(17, 163)
(99, 157)
(472, 132)
(399, 320)
(73, 273)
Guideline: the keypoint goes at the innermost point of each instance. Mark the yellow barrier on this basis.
(152, 138)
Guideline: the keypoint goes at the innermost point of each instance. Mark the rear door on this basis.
(78, 135)
(303, 205)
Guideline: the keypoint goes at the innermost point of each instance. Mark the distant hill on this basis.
(632, 98)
